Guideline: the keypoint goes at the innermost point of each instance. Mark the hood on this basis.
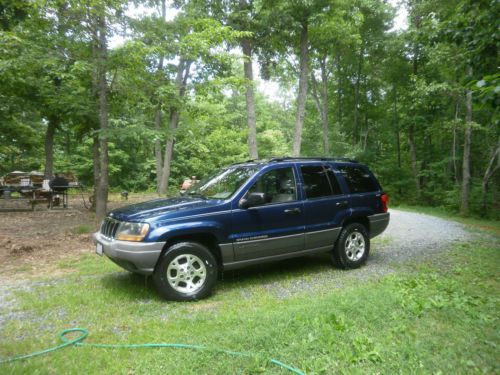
(166, 208)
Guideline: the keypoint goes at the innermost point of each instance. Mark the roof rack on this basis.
(247, 161)
(322, 158)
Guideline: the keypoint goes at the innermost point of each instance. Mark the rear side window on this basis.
(316, 182)
(358, 180)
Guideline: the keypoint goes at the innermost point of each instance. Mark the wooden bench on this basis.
(36, 201)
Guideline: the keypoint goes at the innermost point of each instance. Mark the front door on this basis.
(273, 228)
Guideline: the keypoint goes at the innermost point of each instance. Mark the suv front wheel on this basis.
(352, 247)
(186, 271)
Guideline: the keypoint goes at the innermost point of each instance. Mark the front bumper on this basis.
(378, 223)
(138, 257)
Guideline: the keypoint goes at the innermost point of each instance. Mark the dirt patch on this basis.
(21, 249)
(32, 243)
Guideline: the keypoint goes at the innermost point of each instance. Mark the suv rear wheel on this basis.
(352, 247)
(186, 271)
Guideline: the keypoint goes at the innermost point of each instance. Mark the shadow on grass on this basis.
(131, 286)
(138, 287)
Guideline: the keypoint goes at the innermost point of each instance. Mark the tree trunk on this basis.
(454, 145)
(339, 93)
(97, 172)
(322, 102)
(396, 127)
(181, 82)
(324, 97)
(246, 45)
(367, 130)
(466, 177)
(319, 107)
(158, 115)
(397, 133)
(413, 156)
(398, 147)
(490, 171)
(301, 99)
(101, 197)
(49, 148)
(158, 158)
(411, 130)
(67, 139)
(356, 96)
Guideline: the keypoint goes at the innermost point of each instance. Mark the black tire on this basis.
(346, 252)
(186, 283)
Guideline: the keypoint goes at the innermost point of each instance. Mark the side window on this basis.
(358, 180)
(333, 182)
(278, 185)
(316, 182)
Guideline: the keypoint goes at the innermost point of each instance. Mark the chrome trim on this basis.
(267, 239)
(109, 227)
(266, 206)
(324, 230)
(279, 237)
(271, 205)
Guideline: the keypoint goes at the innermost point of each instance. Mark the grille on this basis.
(109, 227)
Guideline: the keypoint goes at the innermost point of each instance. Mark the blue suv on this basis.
(248, 213)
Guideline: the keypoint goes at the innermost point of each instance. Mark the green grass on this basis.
(442, 317)
(83, 229)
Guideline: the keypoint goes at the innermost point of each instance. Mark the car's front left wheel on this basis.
(186, 271)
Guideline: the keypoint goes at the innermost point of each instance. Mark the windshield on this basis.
(222, 184)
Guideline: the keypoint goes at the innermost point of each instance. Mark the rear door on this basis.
(325, 205)
(276, 227)
(364, 189)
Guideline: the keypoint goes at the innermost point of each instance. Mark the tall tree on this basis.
(302, 91)
(466, 175)
(180, 83)
(246, 46)
(195, 44)
(158, 111)
(243, 16)
(100, 45)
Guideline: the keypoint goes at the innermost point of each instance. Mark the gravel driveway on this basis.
(410, 238)
(414, 237)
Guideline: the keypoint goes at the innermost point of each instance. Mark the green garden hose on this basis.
(84, 333)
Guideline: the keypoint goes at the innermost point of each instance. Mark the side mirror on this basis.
(253, 199)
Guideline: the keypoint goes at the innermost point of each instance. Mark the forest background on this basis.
(195, 85)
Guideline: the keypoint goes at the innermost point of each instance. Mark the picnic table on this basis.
(34, 195)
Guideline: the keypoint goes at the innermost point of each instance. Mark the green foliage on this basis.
(380, 86)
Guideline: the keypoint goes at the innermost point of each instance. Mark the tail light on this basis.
(384, 199)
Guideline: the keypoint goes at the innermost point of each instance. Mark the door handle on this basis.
(293, 211)
(342, 204)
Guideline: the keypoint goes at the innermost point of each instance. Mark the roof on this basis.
(294, 159)
(291, 158)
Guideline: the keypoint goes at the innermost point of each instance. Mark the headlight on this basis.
(132, 231)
